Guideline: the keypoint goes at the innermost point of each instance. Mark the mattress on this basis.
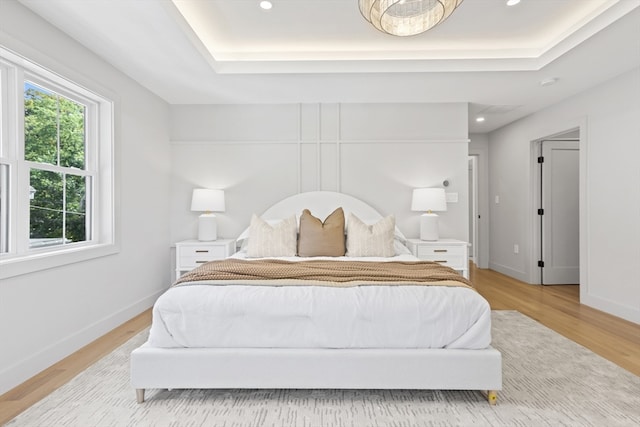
(245, 316)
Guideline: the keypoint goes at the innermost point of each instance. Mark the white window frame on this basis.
(18, 257)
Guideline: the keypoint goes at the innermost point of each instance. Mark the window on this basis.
(56, 169)
(59, 183)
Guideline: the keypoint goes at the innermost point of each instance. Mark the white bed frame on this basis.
(259, 368)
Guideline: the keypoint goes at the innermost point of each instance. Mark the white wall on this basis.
(608, 117)
(48, 315)
(262, 153)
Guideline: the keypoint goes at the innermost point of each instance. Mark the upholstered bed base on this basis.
(212, 368)
(320, 368)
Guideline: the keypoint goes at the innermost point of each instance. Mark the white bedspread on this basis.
(244, 316)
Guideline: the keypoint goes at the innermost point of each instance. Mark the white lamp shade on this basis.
(206, 200)
(429, 199)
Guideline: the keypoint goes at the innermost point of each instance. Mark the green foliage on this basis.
(55, 134)
(45, 211)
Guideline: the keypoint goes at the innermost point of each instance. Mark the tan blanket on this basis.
(325, 273)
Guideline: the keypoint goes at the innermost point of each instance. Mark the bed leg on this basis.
(492, 397)
(140, 395)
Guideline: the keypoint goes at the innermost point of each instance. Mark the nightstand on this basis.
(193, 253)
(450, 252)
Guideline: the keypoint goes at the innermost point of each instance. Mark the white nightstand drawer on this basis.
(444, 251)
(204, 252)
(190, 262)
(455, 262)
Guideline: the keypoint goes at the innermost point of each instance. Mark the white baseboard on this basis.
(18, 373)
(611, 307)
(508, 271)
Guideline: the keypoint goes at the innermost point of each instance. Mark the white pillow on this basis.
(266, 240)
(244, 236)
(371, 240)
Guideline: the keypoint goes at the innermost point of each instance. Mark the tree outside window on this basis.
(55, 149)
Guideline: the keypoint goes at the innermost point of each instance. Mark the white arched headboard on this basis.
(321, 204)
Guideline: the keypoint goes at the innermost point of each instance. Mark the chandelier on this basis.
(406, 17)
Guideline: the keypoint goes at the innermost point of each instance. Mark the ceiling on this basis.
(488, 54)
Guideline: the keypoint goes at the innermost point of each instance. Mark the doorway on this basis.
(559, 211)
(473, 210)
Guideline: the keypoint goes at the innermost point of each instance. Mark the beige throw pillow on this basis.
(370, 240)
(267, 240)
(319, 238)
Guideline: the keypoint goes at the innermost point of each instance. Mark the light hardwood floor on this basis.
(557, 307)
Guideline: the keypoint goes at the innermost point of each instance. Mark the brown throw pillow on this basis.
(319, 238)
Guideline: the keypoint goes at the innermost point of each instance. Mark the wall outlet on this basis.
(516, 249)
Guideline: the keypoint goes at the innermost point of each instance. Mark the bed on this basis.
(278, 332)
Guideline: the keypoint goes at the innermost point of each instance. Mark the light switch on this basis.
(452, 197)
(497, 199)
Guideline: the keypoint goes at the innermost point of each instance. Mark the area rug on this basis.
(548, 380)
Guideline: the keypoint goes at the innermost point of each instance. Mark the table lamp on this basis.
(207, 201)
(429, 200)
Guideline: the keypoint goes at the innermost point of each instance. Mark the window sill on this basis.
(31, 263)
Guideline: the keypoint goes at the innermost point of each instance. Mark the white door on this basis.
(560, 216)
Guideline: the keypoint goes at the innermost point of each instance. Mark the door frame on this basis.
(482, 243)
(535, 188)
(474, 207)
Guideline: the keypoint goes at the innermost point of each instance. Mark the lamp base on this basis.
(207, 227)
(429, 226)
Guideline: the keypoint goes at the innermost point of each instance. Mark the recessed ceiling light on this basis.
(480, 119)
(512, 2)
(266, 5)
(548, 82)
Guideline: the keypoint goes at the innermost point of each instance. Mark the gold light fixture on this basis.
(406, 17)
